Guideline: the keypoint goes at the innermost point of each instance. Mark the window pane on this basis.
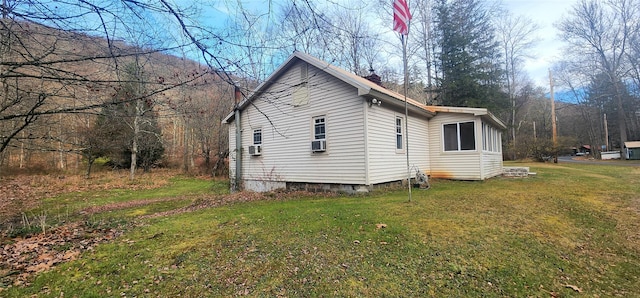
(493, 140)
(319, 129)
(450, 137)
(257, 137)
(484, 137)
(398, 133)
(467, 136)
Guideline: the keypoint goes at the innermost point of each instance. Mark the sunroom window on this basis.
(459, 136)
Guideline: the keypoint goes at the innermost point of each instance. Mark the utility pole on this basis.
(553, 120)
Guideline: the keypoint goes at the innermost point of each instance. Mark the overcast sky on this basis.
(545, 13)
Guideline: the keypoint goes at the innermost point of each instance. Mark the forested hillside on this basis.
(69, 97)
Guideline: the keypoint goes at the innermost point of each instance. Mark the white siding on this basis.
(288, 131)
(492, 160)
(385, 162)
(491, 164)
(462, 165)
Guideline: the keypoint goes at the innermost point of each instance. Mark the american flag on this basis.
(401, 16)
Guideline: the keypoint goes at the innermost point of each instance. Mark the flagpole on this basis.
(406, 109)
(401, 19)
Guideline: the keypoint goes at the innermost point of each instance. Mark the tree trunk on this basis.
(185, 147)
(136, 134)
(622, 123)
(90, 160)
(514, 155)
(22, 153)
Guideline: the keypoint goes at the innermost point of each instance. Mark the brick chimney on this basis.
(373, 77)
(237, 95)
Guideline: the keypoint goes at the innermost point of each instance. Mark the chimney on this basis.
(237, 95)
(373, 77)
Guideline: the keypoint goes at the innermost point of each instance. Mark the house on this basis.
(584, 150)
(632, 149)
(311, 124)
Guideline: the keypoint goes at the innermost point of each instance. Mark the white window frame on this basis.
(319, 137)
(459, 137)
(257, 131)
(324, 125)
(491, 139)
(484, 136)
(399, 133)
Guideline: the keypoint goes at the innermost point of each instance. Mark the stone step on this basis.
(515, 171)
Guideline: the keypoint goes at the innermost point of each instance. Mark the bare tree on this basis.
(51, 57)
(516, 36)
(602, 31)
(423, 30)
(354, 43)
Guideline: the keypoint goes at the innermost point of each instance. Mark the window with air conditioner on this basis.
(319, 142)
(256, 148)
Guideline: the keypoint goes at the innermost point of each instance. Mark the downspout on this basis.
(238, 96)
(367, 180)
(479, 144)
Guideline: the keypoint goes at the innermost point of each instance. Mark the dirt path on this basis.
(21, 193)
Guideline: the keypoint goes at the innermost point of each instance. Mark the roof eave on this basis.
(386, 98)
(495, 120)
(229, 118)
(482, 112)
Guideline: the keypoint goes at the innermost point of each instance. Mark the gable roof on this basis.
(365, 88)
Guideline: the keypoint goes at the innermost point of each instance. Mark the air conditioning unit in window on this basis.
(255, 150)
(318, 146)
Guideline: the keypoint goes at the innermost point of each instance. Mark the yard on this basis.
(571, 230)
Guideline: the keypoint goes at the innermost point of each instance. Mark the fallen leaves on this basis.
(27, 256)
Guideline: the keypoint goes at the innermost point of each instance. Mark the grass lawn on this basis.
(572, 230)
